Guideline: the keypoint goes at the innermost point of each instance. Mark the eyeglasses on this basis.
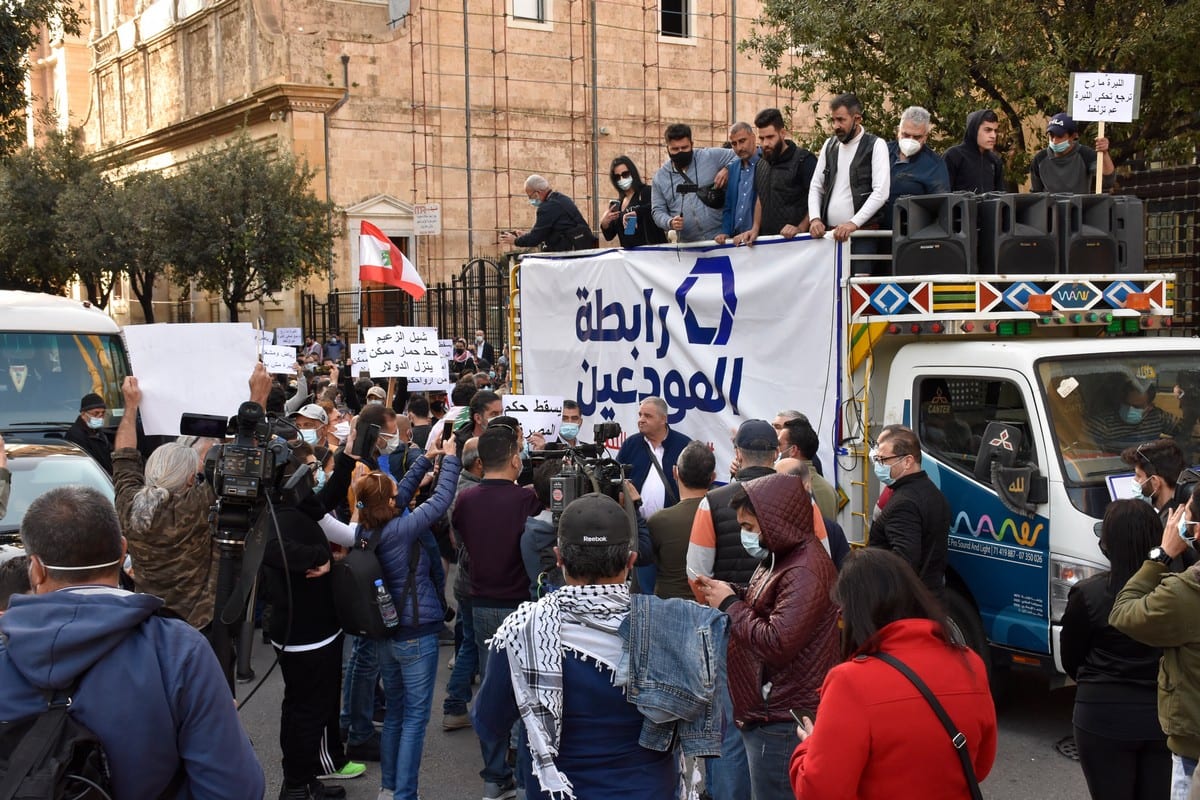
(886, 459)
(1142, 457)
(621, 175)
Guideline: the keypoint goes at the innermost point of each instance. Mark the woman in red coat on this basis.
(876, 736)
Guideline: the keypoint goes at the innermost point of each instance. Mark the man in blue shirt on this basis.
(738, 215)
(915, 168)
(681, 195)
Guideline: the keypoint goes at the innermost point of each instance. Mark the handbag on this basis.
(957, 737)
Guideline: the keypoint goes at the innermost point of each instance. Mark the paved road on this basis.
(1032, 721)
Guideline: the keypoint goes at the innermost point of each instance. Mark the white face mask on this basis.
(624, 183)
(341, 431)
(391, 443)
(95, 423)
(909, 147)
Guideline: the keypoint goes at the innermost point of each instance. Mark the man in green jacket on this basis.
(1162, 609)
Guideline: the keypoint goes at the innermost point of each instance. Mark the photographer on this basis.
(164, 512)
(688, 192)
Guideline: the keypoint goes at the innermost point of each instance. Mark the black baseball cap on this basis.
(594, 520)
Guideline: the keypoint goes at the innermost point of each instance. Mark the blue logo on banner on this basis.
(710, 269)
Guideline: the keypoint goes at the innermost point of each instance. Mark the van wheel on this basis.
(967, 628)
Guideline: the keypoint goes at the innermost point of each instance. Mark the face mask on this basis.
(341, 431)
(568, 430)
(320, 476)
(1132, 415)
(374, 402)
(1145, 492)
(1059, 147)
(884, 473)
(525, 450)
(752, 545)
(681, 160)
(95, 423)
(624, 183)
(492, 374)
(1183, 528)
(459, 350)
(535, 201)
(909, 147)
(393, 442)
(309, 435)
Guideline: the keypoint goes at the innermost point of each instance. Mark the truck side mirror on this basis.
(1021, 489)
(999, 445)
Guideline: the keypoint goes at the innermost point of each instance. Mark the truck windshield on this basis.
(1100, 406)
(43, 376)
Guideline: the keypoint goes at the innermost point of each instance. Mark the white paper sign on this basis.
(427, 219)
(704, 329)
(279, 359)
(1107, 96)
(265, 337)
(213, 361)
(403, 352)
(358, 360)
(536, 413)
(292, 336)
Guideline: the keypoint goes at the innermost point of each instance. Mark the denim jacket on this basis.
(674, 683)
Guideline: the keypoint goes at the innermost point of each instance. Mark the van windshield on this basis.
(1100, 406)
(43, 376)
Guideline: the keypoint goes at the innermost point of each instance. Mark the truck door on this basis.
(998, 556)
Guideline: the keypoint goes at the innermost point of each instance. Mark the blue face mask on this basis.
(535, 201)
(569, 430)
(752, 545)
(95, 423)
(1183, 528)
(884, 473)
(1132, 415)
(320, 474)
(309, 435)
(1060, 147)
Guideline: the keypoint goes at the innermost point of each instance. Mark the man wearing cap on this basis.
(1066, 166)
(310, 420)
(601, 707)
(376, 396)
(88, 430)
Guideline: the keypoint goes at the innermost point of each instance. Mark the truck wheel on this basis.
(966, 626)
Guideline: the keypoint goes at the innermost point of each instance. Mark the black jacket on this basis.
(971, 169)
(915, 525)
(96, 443)
(557, 219)
(302, 613)
(782, 188)
(732, 563)
(1094, 651)
(646, 232)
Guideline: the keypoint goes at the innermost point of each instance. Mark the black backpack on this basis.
(51, 755)
(354, 595)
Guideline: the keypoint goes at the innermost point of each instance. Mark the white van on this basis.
(53, 351)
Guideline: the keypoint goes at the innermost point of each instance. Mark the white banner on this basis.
(721, 334)
(204, 368)
(404, 352)
(536, 413)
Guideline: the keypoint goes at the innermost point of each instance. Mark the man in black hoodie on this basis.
(974, 165)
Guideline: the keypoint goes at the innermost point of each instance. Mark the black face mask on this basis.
(681, 160)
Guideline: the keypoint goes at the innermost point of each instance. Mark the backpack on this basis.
(51, 755)
(354, 594)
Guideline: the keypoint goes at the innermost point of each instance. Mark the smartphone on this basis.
(364, 441)
(694, 575)
(614, 204)
(447, 429)
(799, 714)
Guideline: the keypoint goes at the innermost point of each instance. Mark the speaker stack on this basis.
(1129, 229)
(1085, 233)
(934, 234)
(1017, 234)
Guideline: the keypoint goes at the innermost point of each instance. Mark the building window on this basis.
(531, 10)
(675, 18)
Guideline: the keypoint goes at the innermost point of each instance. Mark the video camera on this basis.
(586, 468)
(242, 472)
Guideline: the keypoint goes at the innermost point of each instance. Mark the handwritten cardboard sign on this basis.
(279, 359)
(1105, 96)
(292, 336)
(536, 413)
(403, 352)
(358, 360)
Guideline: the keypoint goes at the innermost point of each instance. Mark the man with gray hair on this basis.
(915, 168)
(149, 687)
(558, 226)
(740, 196)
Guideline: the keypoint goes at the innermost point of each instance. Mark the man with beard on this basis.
(852, 177)
(781, 181)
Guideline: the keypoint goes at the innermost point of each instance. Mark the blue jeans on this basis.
(1182, 769)
(466, 663)
(358, 691)
(409, 668)
(495, 754)
(768, 753)
(728, 777)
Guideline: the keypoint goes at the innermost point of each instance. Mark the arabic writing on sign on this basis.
(290, 336)
(403, 352)
(536, 413)
(597, 322)
(680, 393)
(279, 358)
(1097, 96)
(358, 359)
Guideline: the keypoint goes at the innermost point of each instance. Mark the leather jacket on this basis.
(783, 625)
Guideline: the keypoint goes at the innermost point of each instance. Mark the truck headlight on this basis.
(1065, 573)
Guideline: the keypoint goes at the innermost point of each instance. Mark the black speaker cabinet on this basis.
(1129, 229)
(1085, 233)
(934, 234)
(1016, 234)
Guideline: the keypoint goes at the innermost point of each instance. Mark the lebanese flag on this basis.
(380, 260)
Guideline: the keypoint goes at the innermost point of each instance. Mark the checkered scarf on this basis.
(532, 638)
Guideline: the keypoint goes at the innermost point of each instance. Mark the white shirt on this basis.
(653, 492)
(841, 201)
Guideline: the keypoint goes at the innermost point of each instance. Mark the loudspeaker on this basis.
(1016, 234)
(1085, 233)
(1129, 229)
(934, 234)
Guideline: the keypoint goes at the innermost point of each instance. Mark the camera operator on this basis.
(164, 512)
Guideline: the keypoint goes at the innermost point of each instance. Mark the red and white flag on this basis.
(380, 260)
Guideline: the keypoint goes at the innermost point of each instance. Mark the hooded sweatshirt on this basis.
(149, 687)
(972, 169)
(783, 626)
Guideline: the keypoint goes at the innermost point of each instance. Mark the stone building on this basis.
(400, 104)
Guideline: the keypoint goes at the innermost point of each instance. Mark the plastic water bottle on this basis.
(387, 609)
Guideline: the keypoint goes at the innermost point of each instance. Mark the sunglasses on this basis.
(620, 175)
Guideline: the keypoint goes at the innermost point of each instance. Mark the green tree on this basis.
(247, 224)
(32, 255)
(149, 200)
(21, 24)
(92, 223)
(1015, 58)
